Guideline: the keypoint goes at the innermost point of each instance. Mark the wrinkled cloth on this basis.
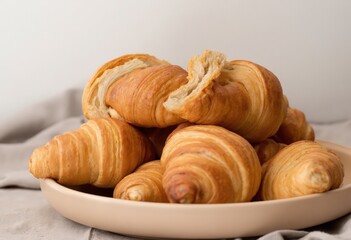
(24, 212)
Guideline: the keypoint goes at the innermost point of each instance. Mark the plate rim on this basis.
(51, 188)
(52, 183)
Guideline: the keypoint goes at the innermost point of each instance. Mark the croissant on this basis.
(145, 184)
(133, 88)
(158, 137)
(241, 96)
(267, 149)
(294, 128)
(209, 164)
(101, 152)
(301, 168)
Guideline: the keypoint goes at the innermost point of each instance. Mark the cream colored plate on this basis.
(162, 220)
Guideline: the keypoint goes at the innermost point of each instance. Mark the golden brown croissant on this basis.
(294, 128)
(145, 184)
(101, 152)
(267, 149)
(238, 95)
(133, 88)
(209, 164)
(158, 137)
(93, 100)
(301, 168)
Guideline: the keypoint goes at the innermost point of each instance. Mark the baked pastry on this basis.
(133, 88)
(158, 137)
(301, 168)
(145, 184)
(294, 128)
(267, 149)
(241, 96)
(101, 152)
(209, 164)
(94, 94)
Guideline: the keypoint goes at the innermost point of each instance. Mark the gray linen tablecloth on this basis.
(24, 212)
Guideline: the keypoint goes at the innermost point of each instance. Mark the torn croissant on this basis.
(145, 184)
(209, 164)
(301, 168)
(294, 128)
(241, 96)
(101, 152)
(133, 88)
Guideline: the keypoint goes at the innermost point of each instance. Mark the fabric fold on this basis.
(31, 128)
(35, 118)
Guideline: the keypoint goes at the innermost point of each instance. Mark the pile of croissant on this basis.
(220, 132)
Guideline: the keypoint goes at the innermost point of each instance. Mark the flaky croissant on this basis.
(209, 164)
(239, 95)
(301, 168)
(158, 137)
(145, 184)
(101, 152)
(133, 88)
(294, 128)
(267, 149)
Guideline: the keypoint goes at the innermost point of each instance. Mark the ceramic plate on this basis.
(163, 220)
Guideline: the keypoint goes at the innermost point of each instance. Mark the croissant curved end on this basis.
(183, 193)
(320, 180)
(317, 179)
(133, 193)
(181, 189)
(31, 166)
(37, 167)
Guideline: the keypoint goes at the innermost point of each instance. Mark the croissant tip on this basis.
(133, 195)
(320, 181)
(30, 165)
(183, 193)
(37, 161)
(35, 169)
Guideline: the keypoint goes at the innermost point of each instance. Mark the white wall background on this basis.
(49, 46)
